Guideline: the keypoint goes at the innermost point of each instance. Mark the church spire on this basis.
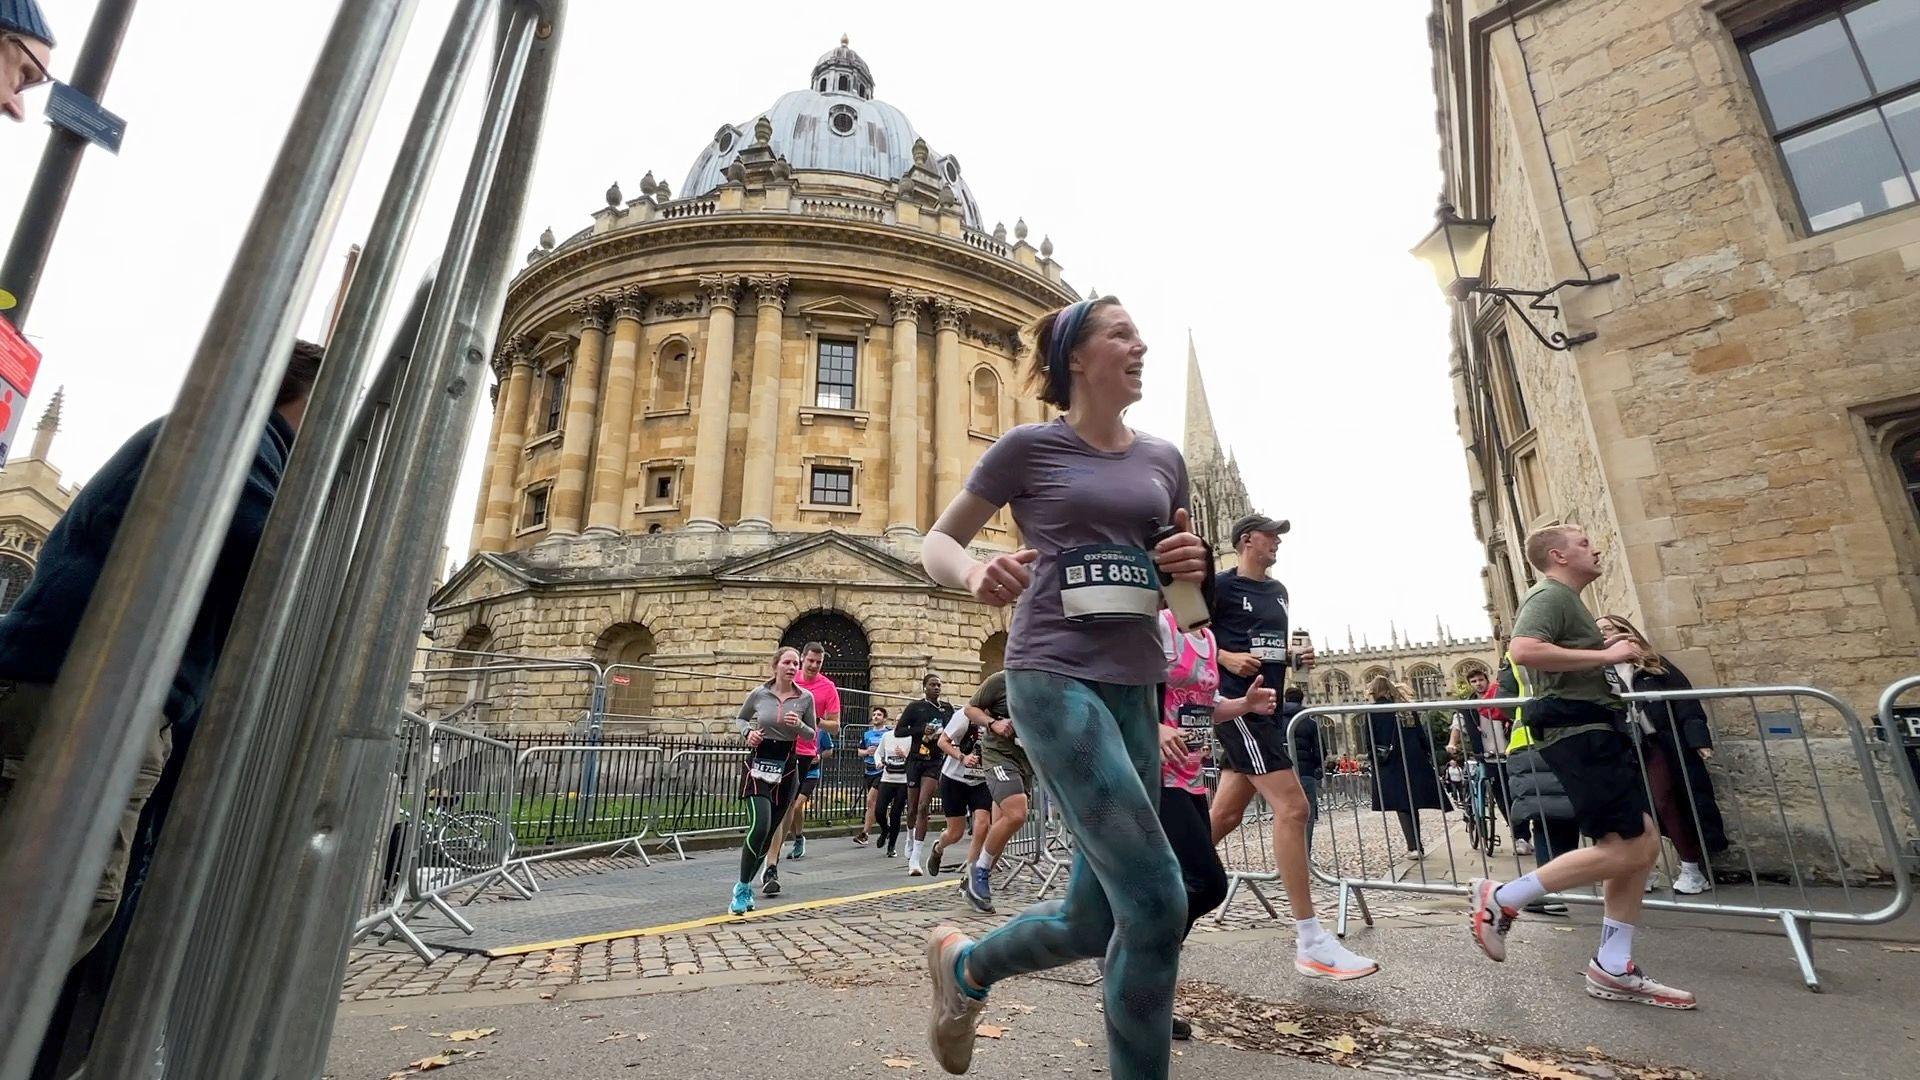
(1201, 442)
(49, 423)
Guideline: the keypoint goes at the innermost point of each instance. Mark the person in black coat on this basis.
(1540, 809)
(1405, 779)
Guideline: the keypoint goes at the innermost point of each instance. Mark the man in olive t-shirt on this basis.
(1009, 780)
(1577, 722)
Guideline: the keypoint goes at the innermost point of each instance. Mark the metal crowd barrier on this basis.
(577, 798)
(1900, 727)
(507, 690)
(1778, 857)
(706, 797)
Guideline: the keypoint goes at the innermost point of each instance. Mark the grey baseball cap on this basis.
(1259, 523)
(23, 17)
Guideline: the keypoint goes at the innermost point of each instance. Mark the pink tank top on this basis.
(1193, 677)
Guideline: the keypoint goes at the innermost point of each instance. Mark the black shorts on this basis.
(919, 768)
(1601, 775)
(959, 798)
(872, 781)
(1254, 745)
(807, 786)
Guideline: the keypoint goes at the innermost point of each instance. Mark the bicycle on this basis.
(1482, 832)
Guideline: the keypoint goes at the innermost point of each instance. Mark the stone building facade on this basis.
(32, 498)
(1742, 438)
(726, 418)
(1742, 435)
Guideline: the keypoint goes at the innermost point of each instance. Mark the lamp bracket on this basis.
(1537, 301)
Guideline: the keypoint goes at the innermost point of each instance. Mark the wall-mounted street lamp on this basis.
(1456, 251)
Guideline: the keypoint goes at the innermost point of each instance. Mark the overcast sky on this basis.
(1254, 175)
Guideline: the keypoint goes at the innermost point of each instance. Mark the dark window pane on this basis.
(833, 487)
(556, 398)
(1846, 170)
(1903, 116)
(1809, 74)
(536, 508)
(1888, 32)
(1906, 456)
(835, 381)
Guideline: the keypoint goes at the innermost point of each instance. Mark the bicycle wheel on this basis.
(472, 841)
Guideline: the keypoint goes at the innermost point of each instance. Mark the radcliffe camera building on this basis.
(1742, 434)
(727, 415)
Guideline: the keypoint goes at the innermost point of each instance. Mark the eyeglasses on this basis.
(45, 75)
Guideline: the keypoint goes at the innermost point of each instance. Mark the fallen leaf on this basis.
(857, 1042)
(1564, 929)
(1082, 1043)
(1017, 1006)
(592, 1016)
(470, 1034)
(615, 1037)
(1901, 948)
(989, 1031)
(428, 1064)
(1288, 1027)
(398, 1027)
(1342, 1044)
(1537, 1068)
(898, 1063)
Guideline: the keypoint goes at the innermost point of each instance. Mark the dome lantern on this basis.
(841, 71)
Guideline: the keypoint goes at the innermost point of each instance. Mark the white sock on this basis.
(984, 862)
(1616, 946)
(1520, 892)
(1310, 932)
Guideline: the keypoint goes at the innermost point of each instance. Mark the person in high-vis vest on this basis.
(1578, 722)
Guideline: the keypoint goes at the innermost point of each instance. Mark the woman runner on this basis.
(1082, 662)
(774, 718)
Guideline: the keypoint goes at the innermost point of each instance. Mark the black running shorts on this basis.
(1254, 745)
(1601, 775)
(959, 798)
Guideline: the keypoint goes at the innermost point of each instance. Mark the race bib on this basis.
(1196, 717)
(1267, 647)
(1103, 582)
(767, 772)
(973, 775)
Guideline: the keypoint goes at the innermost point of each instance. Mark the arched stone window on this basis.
(626, 651)
(986, 401)
(1426, 682)
(15, 572)
(847, 655)
(671, 382)
(1339, 686)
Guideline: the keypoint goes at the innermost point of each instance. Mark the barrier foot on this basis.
(1046, 883)
(1797, 934)
(405, 933)
(1350, 895)
(1233, 889)
(440, 904)
(1260, 895)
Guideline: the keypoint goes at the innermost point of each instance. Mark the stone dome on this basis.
(834, 125)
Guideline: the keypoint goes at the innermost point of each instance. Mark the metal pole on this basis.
(60, 821)
(284, 989)
(60, 162)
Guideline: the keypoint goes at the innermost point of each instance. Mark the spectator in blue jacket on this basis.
(37, 633)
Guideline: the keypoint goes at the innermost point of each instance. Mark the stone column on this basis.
(607, 515)
(502, 490)
(716, 404)
(903, 417)
(498, 397)
(576, 436)
(950, 404)
(763, 403)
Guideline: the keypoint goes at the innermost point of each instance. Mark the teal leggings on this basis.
(1096, 746)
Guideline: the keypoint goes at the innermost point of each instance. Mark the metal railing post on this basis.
(130, 641)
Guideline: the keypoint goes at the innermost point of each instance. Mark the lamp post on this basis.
(1456, 251)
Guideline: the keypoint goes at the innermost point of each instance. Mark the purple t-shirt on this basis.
(1066, 494)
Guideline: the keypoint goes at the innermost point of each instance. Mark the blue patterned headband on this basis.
(1066, 327)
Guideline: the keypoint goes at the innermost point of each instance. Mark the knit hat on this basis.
(23, 17)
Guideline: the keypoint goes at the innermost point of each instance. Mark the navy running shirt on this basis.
(1250, 617)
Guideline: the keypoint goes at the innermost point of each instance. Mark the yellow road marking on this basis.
(714, 920)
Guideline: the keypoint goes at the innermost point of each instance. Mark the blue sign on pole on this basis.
(85, 117)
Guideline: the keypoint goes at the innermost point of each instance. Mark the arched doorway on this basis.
(847, 655)
(629, 688)
(993, 654)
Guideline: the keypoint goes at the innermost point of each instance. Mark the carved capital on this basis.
(721, 291)
(591, 313)
(629, 302)
(949, 314)
(514, 352)
(905, 304)
(770, 290)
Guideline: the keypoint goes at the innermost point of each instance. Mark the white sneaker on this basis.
(956, 1013)
(1521, 847)
(1636, 986)
(1328, 959)
(1691, 881)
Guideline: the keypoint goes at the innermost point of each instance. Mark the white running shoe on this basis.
(1488, 921)
(1328, 959)
(1691, 881)
(956, 1013)
(1522, 847)
(1635, 986)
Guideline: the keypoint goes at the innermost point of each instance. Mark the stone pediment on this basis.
(839, 307)
(829, 558)
(484, 575)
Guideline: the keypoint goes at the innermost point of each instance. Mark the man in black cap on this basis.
(1250, 625)
(26, 47)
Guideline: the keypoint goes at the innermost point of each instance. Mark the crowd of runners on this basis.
(1115, 684)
